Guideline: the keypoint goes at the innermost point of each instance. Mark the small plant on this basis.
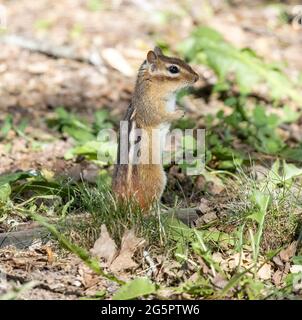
(208, 47)
(240, 73)
(89, 143)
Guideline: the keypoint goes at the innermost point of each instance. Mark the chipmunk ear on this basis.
(151, 57)
(158, 51)
(151, 60)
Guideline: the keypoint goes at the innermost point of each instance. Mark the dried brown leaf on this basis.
(278, 262)
(219, 281)
(208, 217)
(288, 253)
(277, 277)
(204, 205)
(130, 243)
(265, 272)
(104, 247)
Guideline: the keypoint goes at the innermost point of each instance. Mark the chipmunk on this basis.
(153, 106)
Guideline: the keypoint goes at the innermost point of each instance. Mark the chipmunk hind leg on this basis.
(153, 182)
(145, 187)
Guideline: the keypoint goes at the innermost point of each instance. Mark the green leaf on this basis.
(5, 191)
(177, 230)
(271, 145)
(22, 126)
(259, 116)
(261, 200)
(184, 123)
(66, 119)
(289, 115)
(103, 152)
(257, 216)
(208, 47)
(294, 154)
(218, 237)
(230, 164)
(181, 233)
(274, 172)
(297, 260)
(290, 171)
(13, 177)
(81, 135)
(134, 289)
(102, 120)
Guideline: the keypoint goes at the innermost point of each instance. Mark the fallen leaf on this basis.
(87, 276)
(278, 262)
(208, 217)
(217, 257)
(265, 272)
(260, 172)
(203, 266)
(286, 267)
(130, 243)
(277, 277)
(200, 183)
(219, 281)
(288, 253)
(234, 260)
(104, 247)
(215, 184)
(204, 205)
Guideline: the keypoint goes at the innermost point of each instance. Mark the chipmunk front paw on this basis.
(179, 114)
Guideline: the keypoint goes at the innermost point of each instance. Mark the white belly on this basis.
(171, 103)
(159, 143)
(163, 128)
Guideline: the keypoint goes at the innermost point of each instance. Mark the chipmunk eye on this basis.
(173, 69)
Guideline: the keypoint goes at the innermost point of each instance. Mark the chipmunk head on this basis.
(171, 74)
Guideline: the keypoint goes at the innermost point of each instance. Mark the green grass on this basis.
(263, 217)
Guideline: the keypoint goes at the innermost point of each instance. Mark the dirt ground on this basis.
(33, 84)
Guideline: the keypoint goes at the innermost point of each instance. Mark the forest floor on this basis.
(80, 73)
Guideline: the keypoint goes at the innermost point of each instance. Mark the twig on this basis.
(56, 52)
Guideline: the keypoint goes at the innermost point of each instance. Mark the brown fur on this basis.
(145, 183)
